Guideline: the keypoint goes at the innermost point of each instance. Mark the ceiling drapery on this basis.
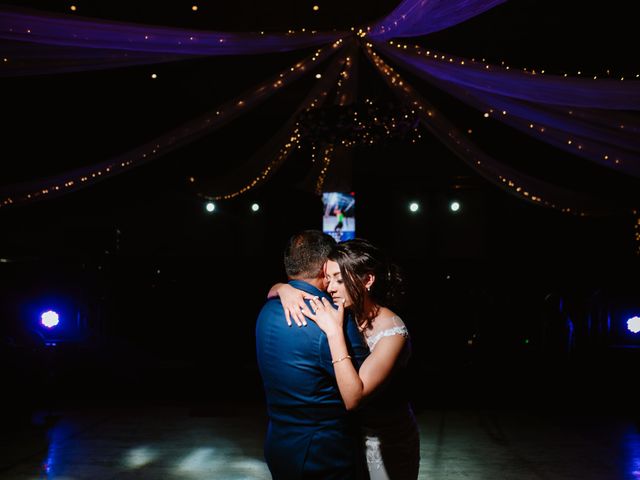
(508, 179)
(588, 118)
(413, 18)
(184, 134)
(559, 111)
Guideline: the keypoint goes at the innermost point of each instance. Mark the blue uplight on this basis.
(50, 319)
(633, 324)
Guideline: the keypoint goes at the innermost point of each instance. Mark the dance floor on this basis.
(225, 442)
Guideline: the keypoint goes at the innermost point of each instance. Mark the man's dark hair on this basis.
(306, 253)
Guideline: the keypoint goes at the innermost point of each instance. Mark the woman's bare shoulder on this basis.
(386, 319)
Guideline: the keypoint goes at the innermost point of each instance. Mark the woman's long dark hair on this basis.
(358, 259)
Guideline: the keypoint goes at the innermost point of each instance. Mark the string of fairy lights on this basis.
(326, 163)
(388, 126)
(344, 95)
(38, 29)
(436, 55)
(344, 85)
(428, 114)
(164, 144)
(349, 124)
(284, 152)
(316, 98)
(507, 182)
(579, 145)
(360, 124)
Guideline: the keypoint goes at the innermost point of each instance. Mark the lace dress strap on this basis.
(397, 330)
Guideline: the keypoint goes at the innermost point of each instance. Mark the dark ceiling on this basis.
(62, 121)
(57, 122)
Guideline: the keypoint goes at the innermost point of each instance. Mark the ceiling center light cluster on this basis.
(357, 124)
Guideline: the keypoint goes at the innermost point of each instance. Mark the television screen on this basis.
(339, 219)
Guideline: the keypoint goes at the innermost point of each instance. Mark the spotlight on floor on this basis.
(414, 207)
(633, 324)
(50, 319)
(255, 207)
(210, 207)
(454, 206)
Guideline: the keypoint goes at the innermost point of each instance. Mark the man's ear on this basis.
(370, 281)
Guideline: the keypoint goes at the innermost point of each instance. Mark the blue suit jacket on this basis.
(310, 433)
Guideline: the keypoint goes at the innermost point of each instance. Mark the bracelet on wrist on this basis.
(340, 359)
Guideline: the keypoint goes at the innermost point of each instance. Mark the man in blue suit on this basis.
(310, 433)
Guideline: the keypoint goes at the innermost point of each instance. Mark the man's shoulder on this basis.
(271, 307)
(271, 316)
(306, 287)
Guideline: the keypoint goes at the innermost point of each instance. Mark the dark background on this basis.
(509, 304)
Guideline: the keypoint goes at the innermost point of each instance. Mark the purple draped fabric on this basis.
(180, 136)
(514, 182)
(611, 147)
(30, 59)
(72, 31)
(271, 156)
(566, 112)
(608, 137)
(413, 18)
(550, 89)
